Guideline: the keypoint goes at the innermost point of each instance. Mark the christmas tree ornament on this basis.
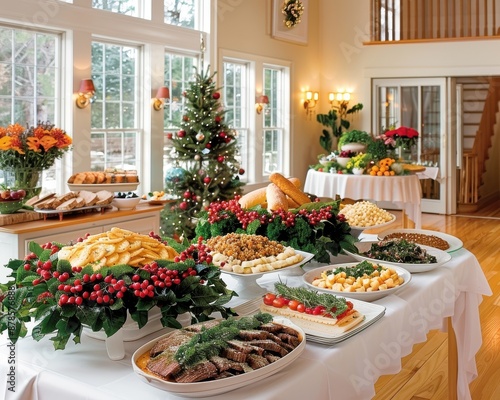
(216, 95)
(220, 159)
(200, 136)
(181, 134)
(197, 157)
(175, 175)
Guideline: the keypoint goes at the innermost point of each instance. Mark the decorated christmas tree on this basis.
(204, 154)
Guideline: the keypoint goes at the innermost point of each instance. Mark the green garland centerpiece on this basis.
(63, 299)
(315, 227)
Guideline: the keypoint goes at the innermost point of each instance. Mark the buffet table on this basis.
(404, 191)
(345, 370)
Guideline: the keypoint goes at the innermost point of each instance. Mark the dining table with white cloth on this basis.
(345, 370)
(404, 191)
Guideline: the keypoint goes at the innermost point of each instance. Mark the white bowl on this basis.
(365, 296)
(125, 203)
(441, 256)
(342, 161)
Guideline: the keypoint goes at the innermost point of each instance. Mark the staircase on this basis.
(480, 106)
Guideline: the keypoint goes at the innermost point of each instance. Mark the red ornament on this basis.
(241, 171)
(183, 205)
(227, 140)
(207, 180)
(208, 145)
(185, 118)
(216, 95)
(181, 134)
(223, 135)
(220, 159)
(187, 194)
(218, 119)
(169, 135)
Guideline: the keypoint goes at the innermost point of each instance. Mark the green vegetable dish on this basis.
(363, 269)
(400, 251)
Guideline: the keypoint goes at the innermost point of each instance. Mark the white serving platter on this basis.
(291, 268)
(454, 242)
(309, 276)
(441, 256)
(215, 387)
(110, 187)
(357, 230)
(329, 335)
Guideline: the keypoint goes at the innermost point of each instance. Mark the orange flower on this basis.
(34, 147)
(48, 142)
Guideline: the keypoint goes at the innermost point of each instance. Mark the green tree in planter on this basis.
(205, 154)
(336, 122)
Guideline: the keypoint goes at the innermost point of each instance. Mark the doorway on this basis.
(427, 105)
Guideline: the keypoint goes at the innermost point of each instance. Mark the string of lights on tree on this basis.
(205, 157)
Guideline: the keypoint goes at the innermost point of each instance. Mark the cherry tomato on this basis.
(278, 302)
(269, 298)
(347, 311)
(293, 304)
(308, 310)
(318, 310)
(301, 307)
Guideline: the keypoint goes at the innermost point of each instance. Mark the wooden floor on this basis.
(424, 372)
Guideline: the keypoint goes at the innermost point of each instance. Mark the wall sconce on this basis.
(162, 94)
(260, 103)
(310, 102)
(340, 101)
(85, 93)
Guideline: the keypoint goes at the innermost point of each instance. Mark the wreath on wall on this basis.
(292, 10)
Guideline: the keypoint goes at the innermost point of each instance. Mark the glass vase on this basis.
(405, 153)
(28, 179)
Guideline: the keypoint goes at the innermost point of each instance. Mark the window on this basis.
(263, 138)
(179, 71)
(116, 124)
(30, 75)
(181, 13)
(273, 130)
(127, 7)
(236, 105)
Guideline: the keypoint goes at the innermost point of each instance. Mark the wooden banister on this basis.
(432, 19)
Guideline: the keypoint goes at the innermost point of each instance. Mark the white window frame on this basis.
(254, 175)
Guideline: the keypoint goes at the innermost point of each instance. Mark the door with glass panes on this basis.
(420, 104)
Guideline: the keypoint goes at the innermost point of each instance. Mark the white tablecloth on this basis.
(404, 191)
(346, 370)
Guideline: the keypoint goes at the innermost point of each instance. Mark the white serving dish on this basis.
(289, 269)
(215, 387)
(125, 203)
(110, 187)
(357, 230)
(441, 256)
(364, 296)
(454, 242)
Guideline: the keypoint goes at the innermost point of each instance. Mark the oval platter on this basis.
(219, 386)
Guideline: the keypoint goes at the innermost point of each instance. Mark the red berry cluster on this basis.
(198, 252)
(218, 211)
(94, 288)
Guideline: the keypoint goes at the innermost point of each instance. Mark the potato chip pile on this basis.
(115, 247)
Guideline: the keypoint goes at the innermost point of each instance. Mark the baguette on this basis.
(276, 199)
(253, 198)
(289, 188)
(258, 196)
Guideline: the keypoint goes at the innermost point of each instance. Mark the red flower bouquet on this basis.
(402, 136)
